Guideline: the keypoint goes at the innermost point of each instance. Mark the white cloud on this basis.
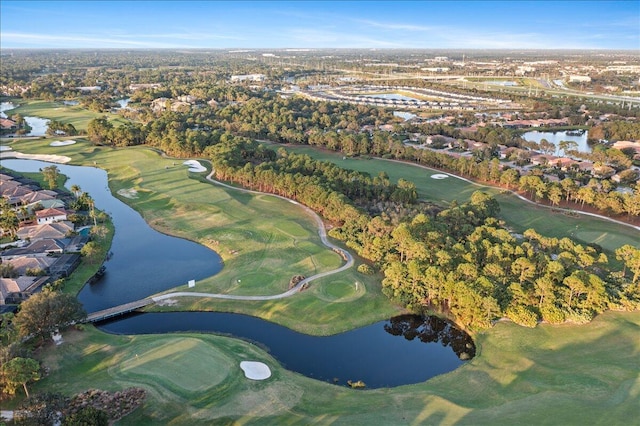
(52, 40)
(397, 26)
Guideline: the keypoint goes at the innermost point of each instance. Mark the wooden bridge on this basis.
(118, 310)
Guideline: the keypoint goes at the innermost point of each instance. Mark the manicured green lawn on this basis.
(76, 115)
(569, 375)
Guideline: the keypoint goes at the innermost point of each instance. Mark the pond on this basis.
(403, 350)
(392, 96)
(405, 115)
(70, 103)
(38, 126)
(580, 138)
(5, 106)
(122, 103)
(502, 83)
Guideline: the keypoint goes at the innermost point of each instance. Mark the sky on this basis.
(321, 24)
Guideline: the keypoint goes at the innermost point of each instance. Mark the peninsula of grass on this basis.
(568, 375)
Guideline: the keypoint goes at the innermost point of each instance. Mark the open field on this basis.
(76, 115)
(518, 214)
(569, 375)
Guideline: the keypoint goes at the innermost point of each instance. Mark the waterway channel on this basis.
(402, 350)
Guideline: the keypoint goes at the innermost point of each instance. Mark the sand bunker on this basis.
(439, 176)
(42, 157)
(255, 370)
(128, 193)
(62, 143)
(195, 166)
(5, 148)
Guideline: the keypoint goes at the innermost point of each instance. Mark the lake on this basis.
(5, 106)
(38, 125)
(403, 350)
(404, 115)
(557, 137)
(392, 96)
(122, 103)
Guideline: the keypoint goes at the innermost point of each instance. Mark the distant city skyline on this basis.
(321, 24)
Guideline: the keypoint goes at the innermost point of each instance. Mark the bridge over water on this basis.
(118, 310)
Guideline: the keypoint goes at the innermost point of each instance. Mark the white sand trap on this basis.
(255, 370)
(439, 176)
(5, 148)
(128, 193)
(195, 166)
(62, 143)
(42, 157)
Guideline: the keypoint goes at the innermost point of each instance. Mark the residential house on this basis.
(15, 290)
(563, 163)
(36, 196)
(40, 248)
(23, 264)
(45, 204)
(51, 215)
(56, 230)
(190, 99)
(541, 160)
(8, 125)
(138, 86)
(160, 104)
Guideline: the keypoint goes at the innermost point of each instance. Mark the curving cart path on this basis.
(322, 232)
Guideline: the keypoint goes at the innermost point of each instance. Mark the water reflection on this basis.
(432, 329)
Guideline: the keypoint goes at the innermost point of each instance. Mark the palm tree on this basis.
(76, 190)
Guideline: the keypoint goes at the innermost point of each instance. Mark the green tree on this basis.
(44, 312)
(87, 416)
(41, 409)
(9, 221)
(51, 174)
(630, 255)
(20, 371)
(91, 252)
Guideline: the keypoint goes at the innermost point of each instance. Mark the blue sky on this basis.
(319, 24)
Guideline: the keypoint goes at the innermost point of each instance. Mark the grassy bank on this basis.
(548, 375)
